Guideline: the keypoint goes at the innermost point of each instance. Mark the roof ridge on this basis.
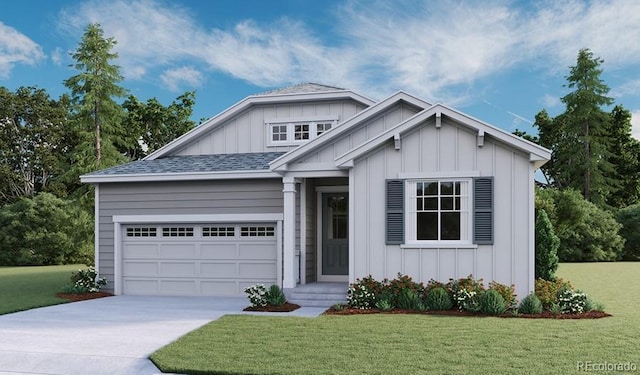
(303, 87)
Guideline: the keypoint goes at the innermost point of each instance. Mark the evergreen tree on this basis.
(584, 148)
(625, 152)
(97, 116)
(547, 244)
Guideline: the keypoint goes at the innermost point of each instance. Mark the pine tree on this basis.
(97, 115)
(584, 148)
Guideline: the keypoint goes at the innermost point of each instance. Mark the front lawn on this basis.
(407, 344)
(24, 288)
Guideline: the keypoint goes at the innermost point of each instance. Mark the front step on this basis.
(318, 294)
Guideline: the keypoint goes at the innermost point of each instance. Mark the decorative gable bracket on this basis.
(480, 138)
(397, 142)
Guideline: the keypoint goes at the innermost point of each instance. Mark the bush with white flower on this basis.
(257, 295)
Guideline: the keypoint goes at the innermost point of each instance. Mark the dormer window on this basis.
(283, 132)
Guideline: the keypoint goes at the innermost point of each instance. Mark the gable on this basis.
(241, 128)
(249, 131)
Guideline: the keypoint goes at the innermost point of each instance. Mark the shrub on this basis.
(547, 291)
(275, 296)
(492, 303)
(400, 284)
(530, 305)
(384, 304)
(409, 299)
(586, 232)
(87, 281)
(257, 295)
(572, 301)
(465, 292)
(629, 218)
(362, 294)
(45, 230)
(547, 243)
(438, 299)
(508, 293)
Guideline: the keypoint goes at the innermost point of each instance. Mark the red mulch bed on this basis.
(74, 297)
(544, 315)
(287, 307)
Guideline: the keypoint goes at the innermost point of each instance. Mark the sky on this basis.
(499, 61)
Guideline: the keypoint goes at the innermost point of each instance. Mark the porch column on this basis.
(289, 233)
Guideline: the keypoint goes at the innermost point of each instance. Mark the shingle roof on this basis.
(302, 88)
(195, 163)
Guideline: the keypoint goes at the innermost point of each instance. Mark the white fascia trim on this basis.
(212, 218)
(188, 176)
(314, 174)
(246, 103)
(345, 126)
(459, 117)
(439, 175)
(345, 159)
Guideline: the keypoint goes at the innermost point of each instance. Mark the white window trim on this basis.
(291, 123)
(410, 224)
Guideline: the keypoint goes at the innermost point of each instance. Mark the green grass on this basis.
(24, 288)
(411, 344)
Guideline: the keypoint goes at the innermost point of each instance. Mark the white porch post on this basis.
(289, 233)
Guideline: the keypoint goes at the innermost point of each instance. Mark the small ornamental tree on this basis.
(547, 244)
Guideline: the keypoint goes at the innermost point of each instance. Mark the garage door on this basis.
(197, 260)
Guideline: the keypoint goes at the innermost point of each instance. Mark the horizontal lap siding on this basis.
(181, 198)
(247, 132)
(451, 148)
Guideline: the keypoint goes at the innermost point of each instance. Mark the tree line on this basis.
(591, 194)
(46, 215)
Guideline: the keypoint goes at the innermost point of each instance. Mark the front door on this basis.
(335, 236)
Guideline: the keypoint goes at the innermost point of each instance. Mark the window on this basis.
(322, 127)
(293, 132)
(257, 231)
(141, 232)
(218, 231)
(177, 232)
(279, 133)
(438, 210)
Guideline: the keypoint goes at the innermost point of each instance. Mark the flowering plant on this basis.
(257, 295)
(362, 294)
(87, 281)
(572, 301)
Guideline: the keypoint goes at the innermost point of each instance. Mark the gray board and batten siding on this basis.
(449, 150)
(248, 132)
(263, 196)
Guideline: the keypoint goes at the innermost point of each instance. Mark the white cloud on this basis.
(56, 56)
(16, 48)
(433, 49)
(635, 123)
(550, 101)
(173, 78)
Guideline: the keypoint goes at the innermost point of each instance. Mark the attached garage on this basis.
(196, 259)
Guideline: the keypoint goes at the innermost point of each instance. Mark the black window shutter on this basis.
(395, 212)
(483, 210)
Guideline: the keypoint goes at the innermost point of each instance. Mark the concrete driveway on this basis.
(113, 335)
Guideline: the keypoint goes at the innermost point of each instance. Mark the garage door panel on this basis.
(178, 269)
(141, 251)
(257, 251)
(219, 251)
(263, 270)
(179, 287)
(141, 287)
(140, 268)
(219, 288)
(209, 261)
(178, 251)
(228, 269)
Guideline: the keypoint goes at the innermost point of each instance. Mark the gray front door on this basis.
(335, 234)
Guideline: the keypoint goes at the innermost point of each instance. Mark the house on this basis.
(313, 183)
